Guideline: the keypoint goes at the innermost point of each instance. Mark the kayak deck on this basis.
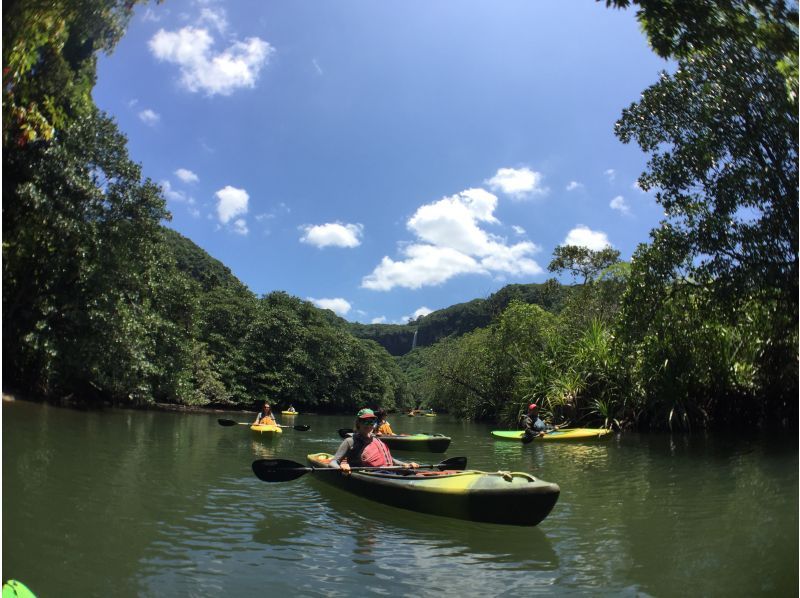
(556, 435)
(511, 498)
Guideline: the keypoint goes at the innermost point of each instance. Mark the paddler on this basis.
(363, 448)
(382, 426)
(531, 422)
(265, 416)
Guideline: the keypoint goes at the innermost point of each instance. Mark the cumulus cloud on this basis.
(231, 202)
(175, 195)
(573, 185)
(618, 203)
(583, 236)
(517, 183)
(332, 234)
(239, 226)
(378, 320)
(337, 305)
(187, 176)
(422, 311)
(451, 242)
(206, 70)
(149, 117)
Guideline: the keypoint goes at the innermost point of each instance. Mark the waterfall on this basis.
(414, 341)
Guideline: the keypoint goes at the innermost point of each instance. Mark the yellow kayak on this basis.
(556, 435)
(290, 412)
(266, 429)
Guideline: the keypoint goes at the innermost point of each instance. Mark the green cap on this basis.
(366, 414)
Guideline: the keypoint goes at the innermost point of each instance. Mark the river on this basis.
(147, 503)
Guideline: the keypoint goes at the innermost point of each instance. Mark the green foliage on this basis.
(582, 261)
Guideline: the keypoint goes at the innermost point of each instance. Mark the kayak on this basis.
(556, 435)
(16, 589)
(290, 412)
(511, 498)
(432, 443)
(268, 429)
(430, 415)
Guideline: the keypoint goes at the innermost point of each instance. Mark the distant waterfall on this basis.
(414, 341)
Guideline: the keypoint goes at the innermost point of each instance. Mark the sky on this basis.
(386, 159)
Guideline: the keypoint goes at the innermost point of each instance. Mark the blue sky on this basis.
(386, 159)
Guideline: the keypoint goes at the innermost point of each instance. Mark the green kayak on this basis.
(556, 435)
(511, 498)
(16, 589)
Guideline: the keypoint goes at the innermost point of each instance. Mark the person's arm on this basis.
(258, 418)
(343, 449)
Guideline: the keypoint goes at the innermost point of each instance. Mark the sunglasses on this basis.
(368, 422)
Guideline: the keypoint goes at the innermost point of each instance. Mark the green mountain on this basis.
(458, 319)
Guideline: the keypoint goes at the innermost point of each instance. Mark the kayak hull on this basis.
(290, 413)
(265, 429)
(510, 498)
(556, 436)
(431, 443)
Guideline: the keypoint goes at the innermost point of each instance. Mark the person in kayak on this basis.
(265, 416)
(531, 423)
(364, 449)
(291, 409)
(382, 426)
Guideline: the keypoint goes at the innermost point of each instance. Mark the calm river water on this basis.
(129, 503)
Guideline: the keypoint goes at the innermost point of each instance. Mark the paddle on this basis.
(230, 422)
(283, 470)
(345, 432)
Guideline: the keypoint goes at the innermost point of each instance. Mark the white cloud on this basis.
(332, 234)
(611, 174)
(316, 66)
(231, 202)
(583, 236)
(422, 311)
(450, 243)
(187, 176)
(618, 203)
(203, 70)
(150, 15)
(518, 229)
(239, 226)
(216, 17)
(149, 117)
(518, 183)
(378, 320)
(337, 305)
(175, 195)
(574, 185)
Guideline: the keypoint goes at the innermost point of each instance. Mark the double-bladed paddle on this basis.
(283, 470)
(345, 432)
(230, 422)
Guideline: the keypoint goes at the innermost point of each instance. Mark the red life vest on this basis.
(376, 454)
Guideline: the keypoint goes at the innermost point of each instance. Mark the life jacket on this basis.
(384, 428)
(268, 420)
(376, 454)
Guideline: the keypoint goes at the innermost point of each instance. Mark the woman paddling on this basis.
(363, 449)
(265, 416)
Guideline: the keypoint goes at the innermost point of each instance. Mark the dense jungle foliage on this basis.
(102, 303)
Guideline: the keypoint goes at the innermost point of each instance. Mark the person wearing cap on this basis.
(265, 416)
(363, 448)
(382, 426)
(531, 423)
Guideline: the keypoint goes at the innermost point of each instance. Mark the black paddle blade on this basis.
(345, 432)
(302, 428)
(226, 422)
(459, 463)
(278, 470)
(528, 437)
